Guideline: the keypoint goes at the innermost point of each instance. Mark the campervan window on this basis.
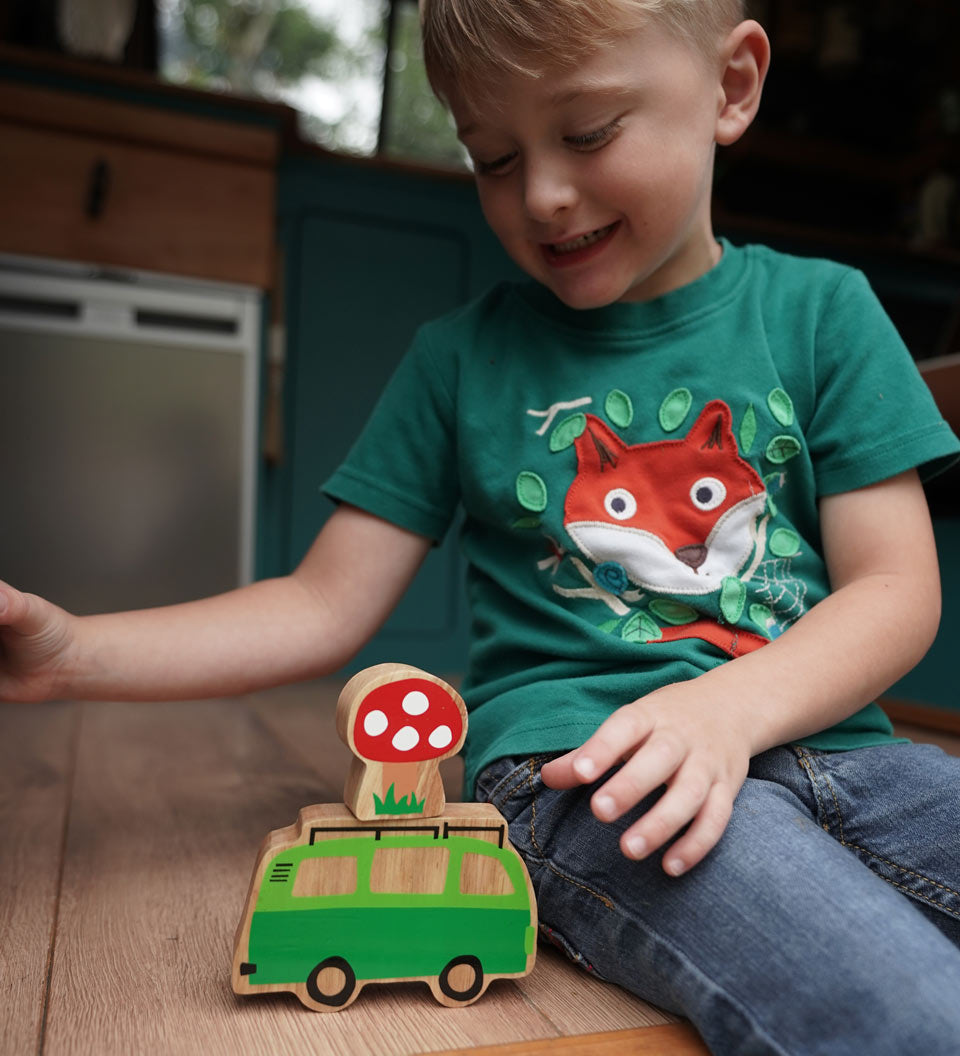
(409, 870)
(330, 875)
(481, 874)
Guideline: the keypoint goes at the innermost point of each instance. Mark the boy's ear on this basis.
(745, 59)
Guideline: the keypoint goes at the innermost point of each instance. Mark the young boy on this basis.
(698, 549)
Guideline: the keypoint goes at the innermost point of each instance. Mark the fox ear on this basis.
(713, 428)
(598, 447)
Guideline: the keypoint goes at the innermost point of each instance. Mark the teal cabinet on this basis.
(370, 253)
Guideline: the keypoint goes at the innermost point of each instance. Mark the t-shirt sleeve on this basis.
(875, 416)
(403, 465)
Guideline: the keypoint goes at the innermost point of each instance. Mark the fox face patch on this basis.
(678, 515)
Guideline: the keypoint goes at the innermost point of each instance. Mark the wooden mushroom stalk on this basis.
(399, 722)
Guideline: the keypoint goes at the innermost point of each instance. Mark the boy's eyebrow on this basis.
(569, 95)
(587, 88)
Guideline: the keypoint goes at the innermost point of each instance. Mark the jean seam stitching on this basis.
(509, 793)
(910, 893)
(904, 870)
(603, 899)
(815, 779)
(806, 766)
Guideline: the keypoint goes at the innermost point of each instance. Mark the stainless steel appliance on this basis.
(128, 411)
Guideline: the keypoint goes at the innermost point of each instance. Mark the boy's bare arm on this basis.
(697, 737)
(279, 630)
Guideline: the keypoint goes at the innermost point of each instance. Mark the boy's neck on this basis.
(678, 273)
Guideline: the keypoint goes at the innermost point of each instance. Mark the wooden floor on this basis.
(128, 833)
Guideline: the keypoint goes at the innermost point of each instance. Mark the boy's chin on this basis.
(582, 298)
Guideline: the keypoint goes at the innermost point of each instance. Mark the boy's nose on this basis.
(547, 191)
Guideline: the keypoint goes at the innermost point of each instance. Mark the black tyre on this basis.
(341, 996)
(467, 993)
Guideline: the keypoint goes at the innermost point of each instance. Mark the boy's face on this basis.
(597, 178)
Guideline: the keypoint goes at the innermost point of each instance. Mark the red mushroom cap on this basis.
(409, 720)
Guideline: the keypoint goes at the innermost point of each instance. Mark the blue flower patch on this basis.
(612, 576)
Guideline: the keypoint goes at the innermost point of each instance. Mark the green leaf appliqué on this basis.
(531, 492)
(567, 431)
(619, 408)
(733, 594)
(526, 522)
(748, 430)
(781, 406)
(674, 409)
(641, 628)
(784, 542)
(782, 448)
(761, 615)
(672, 611)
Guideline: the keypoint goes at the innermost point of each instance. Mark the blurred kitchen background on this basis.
(222, 220)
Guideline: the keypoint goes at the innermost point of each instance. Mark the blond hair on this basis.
(465, 40)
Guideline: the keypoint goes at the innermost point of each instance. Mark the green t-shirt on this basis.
(640, 481)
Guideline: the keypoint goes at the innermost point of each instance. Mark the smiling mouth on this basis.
(561, 248)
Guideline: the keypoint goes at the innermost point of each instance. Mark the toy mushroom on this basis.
(399, 722)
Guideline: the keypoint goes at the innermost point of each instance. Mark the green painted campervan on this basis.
(432, 904)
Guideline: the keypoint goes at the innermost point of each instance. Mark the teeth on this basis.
(583, 240)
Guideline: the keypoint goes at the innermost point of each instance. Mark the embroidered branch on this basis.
(555, 408)
(597, 592)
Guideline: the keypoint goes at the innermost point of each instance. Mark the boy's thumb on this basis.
(22, 613)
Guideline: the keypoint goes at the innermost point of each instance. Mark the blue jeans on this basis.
(826, 921)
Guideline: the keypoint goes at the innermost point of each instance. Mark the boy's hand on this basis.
(35, 638)
(697, 747)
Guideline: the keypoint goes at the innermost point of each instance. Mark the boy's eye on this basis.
(597, 138)
(485, 168)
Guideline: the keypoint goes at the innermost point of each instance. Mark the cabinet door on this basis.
(364, 284)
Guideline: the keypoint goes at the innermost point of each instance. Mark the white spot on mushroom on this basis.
(374, 723)
(441, 737)
(415, 703)
(405, 738)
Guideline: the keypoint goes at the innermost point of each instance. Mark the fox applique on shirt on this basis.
(678, 516)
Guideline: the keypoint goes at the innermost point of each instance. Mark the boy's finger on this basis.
(559, 772)
(682, 802)
(651, 766)
(703, 835)
(616, 739)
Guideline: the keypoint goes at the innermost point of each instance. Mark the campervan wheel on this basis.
(332, 983)
(461, 981)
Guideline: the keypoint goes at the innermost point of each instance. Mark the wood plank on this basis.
(678, 1039)
(85, 113)
(170, 804)
(36, 767)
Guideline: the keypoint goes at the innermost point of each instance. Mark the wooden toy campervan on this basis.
(353, 894)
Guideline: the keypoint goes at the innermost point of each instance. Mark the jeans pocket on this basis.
(511, 783)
